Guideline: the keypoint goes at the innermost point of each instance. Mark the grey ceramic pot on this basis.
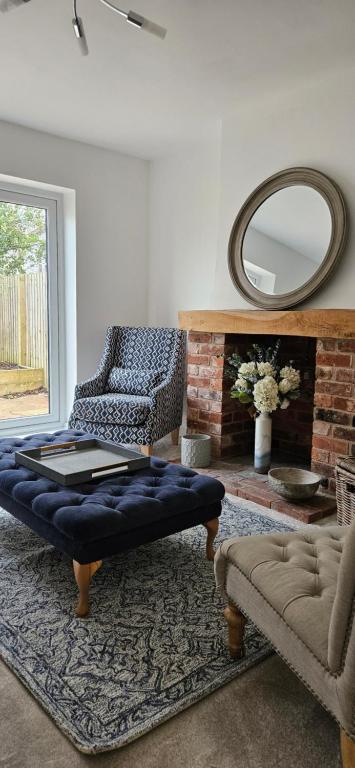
(196, 450)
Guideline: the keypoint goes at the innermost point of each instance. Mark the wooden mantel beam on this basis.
(320, 323)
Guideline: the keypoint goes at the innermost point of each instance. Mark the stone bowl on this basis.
(294, 484)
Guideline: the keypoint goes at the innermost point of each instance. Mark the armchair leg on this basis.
(175, 436)
(347, 746)
(236, 624)
(147, 450)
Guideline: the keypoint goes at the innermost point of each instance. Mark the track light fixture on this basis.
(138, 21)
(79, 32)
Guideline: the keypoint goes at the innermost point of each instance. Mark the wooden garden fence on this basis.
(23, 321)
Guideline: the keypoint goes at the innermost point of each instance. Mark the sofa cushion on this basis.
(113, 408)
(296, 573)
(133, 382)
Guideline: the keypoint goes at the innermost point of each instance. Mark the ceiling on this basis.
(144, 96)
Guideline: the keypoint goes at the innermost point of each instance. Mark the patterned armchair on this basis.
(136, 395)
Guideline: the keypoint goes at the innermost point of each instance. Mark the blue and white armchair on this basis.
(136, 395)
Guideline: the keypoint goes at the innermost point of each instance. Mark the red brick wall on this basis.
(334, 400)
(204, 401)
(209, 408)
(292, 428)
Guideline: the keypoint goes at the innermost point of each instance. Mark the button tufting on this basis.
(149, 495)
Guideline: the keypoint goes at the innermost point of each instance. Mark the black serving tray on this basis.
(80, 461)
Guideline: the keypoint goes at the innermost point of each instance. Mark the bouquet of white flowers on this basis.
(261, 381)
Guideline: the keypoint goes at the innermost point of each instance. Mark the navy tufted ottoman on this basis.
(95, 520)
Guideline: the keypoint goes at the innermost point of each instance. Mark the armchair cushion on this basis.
(133, 382)
(295, 573)
(112, 408)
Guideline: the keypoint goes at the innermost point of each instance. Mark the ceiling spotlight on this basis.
(9, 5)
(79, 33)
(137, 20)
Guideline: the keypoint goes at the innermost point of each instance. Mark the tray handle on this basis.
(55, 446)
(112, 471)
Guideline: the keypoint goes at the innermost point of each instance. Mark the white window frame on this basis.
(53, 203)
(261, 278)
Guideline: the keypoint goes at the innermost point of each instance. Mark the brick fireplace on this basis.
(316, 429)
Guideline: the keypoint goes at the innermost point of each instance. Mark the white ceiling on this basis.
(145, 96)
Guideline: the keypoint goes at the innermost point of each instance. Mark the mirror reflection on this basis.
(287, 240)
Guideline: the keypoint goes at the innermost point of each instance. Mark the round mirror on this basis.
(287, 238)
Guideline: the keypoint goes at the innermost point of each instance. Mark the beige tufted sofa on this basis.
(299, 589)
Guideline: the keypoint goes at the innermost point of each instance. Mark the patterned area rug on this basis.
(155, 641)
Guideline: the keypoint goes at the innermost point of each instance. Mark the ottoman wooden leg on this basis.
(236, 623)
(212, 530)
(83, 575)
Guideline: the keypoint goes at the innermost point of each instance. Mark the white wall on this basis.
(311, 126)
(184, 209)
(111, 233)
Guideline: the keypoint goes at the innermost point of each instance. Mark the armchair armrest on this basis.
(173, 384)
(159, 390)
(341, 620)
(167, 397)
(90, 387)
(95, 386)
(166, 411)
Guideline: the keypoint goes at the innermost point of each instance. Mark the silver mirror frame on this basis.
(335, 201)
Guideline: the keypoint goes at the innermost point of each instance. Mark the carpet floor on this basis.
(264, 718)
(239, 725)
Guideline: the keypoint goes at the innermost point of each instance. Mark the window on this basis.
(259, 277)
(29, 322)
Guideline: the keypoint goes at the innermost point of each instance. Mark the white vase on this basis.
(262, 452)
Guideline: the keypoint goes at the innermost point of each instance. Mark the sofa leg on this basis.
(347, 746)
(83, 575)
(236, 623)
(212, 530)
(175, 436)
(147, 450)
